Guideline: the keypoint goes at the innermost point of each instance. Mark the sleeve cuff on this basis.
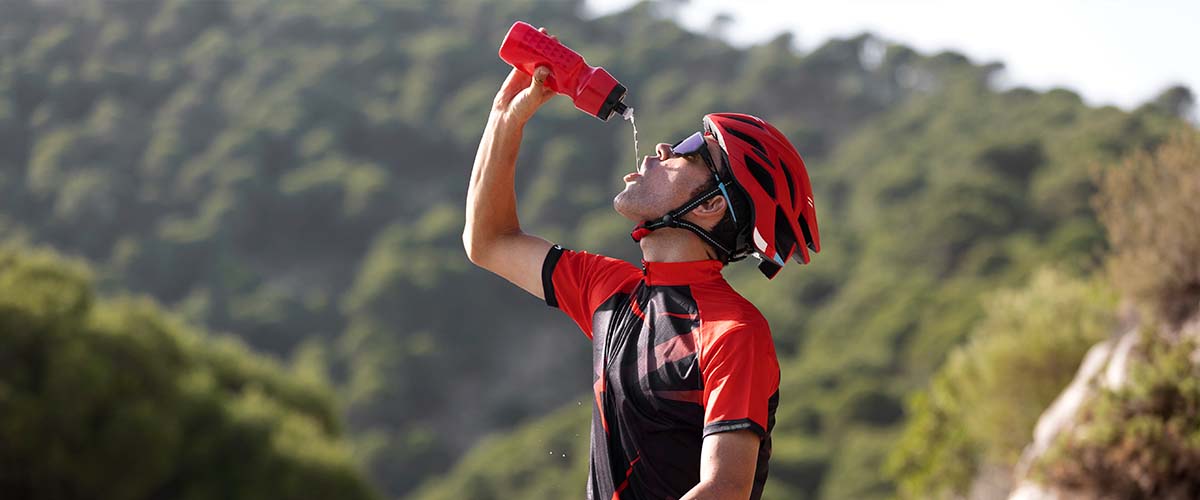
(734, 425)
(548, 275)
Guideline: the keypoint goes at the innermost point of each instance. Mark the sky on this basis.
(1111, 52)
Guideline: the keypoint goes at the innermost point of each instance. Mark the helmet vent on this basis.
(749, 140)
(761, 175)
(791, 185)
(785, 238)
(744, 120)
(761, 155)
(808, 238)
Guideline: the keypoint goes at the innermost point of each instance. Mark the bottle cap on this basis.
(613, 103)
(621, 109)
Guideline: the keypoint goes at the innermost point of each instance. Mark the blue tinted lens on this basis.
(690, 145)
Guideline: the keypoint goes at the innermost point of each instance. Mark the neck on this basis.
(671, 244)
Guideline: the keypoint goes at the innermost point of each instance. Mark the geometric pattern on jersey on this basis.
(677, 355)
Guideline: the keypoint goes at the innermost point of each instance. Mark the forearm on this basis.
(491, 196)
(491, 218)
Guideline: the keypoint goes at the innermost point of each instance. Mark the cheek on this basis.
(671, 181)
(668, 187)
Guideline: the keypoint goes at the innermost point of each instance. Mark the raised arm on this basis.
(492, 237)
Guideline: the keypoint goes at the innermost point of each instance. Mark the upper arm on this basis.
(728, 461)
(517, 258)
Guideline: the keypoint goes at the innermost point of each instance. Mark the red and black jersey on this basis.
(677, 355)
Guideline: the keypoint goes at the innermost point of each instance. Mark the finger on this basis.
(540, 75)
(538, 89)
(527, 102)
(516, 81)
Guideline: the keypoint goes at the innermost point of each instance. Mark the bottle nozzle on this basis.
(621, 109)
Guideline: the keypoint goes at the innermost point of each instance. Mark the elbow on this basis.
(481, 246)
(476, 246)
(473, 249)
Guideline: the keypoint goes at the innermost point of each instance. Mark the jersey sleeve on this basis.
(741, 380)
(578, 282)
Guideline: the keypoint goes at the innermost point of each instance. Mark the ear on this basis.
(709, 213)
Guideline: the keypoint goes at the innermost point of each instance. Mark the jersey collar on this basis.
(681, 273)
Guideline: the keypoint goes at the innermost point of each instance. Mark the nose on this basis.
(647, 162)
(664, 151)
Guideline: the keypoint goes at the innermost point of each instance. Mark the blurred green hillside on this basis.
(293, 172)
(114, 399)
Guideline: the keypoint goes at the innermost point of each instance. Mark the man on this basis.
(684, 369)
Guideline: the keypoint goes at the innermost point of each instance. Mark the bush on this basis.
(1150, 206)
(1142, 440)
(118, 400)
(984, 402)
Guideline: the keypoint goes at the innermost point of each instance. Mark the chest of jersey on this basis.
(646, 372)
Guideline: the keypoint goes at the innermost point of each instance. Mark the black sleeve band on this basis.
(548, 274)
(734, 425)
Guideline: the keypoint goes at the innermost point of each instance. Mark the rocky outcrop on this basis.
(1106, 366)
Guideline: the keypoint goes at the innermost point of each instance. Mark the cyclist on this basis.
(685, 374)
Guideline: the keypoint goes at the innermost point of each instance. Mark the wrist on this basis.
(503, 122)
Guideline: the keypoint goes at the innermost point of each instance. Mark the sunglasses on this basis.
(695, 144)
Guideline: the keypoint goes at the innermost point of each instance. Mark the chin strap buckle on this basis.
(640, 231)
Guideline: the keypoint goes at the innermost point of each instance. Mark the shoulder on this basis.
(558, 255)
(724, 310)
(730, 321)
(584, 277)
(734, 338)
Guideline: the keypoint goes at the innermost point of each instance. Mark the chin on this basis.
(622, 206)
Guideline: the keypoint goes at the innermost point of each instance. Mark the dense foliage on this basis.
(293, 171)
(982, 405)
(1137, 441)
(115, 399)
(1142, 439)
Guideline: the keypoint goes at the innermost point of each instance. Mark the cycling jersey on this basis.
(677, 355)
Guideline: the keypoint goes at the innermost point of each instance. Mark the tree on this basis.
(116, 399)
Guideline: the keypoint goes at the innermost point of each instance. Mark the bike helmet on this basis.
(769, 172)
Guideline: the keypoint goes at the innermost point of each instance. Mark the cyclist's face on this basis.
(661, 184)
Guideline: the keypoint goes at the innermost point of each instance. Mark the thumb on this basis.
(538, 86)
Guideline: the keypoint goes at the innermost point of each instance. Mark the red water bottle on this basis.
(593, 90)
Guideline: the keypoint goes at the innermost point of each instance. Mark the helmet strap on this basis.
(674, 219)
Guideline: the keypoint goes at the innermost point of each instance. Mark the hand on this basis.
(521, 95)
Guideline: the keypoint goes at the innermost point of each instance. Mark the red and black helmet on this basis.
(772, 175)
